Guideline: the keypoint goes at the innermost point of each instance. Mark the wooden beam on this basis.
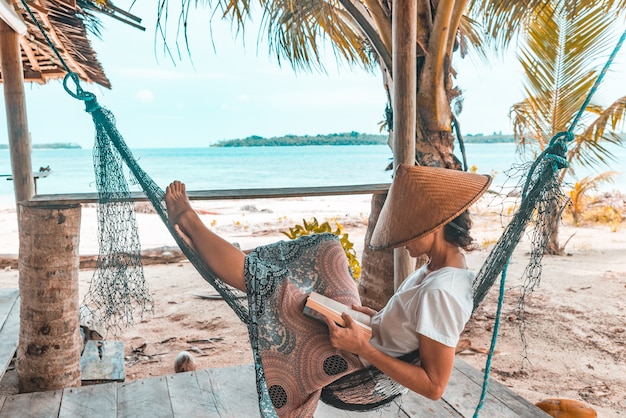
(273, 193)
(404, 40)
(30, 54)
(11, 18)
(15, 103)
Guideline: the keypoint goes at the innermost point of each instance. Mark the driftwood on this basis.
(160, 255)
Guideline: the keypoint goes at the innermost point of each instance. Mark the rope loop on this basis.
(558, 161)
(557, 149)
(91, 104)
(562, 137)
(80, 93)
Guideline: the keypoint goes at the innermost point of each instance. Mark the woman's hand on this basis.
(366, 310)
(350, 338)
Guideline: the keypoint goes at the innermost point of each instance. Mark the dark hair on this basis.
(459, 233)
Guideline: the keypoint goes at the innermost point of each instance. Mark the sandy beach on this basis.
(573, 343)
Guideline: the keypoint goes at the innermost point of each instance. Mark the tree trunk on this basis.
(376, 285)
(553, 218)
(435, 149)
(49, 343)
(422, 100)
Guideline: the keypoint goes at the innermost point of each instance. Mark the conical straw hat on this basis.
(422, 199)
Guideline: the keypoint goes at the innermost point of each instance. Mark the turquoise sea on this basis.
(262, 167)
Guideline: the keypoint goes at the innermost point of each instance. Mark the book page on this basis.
(333, 310)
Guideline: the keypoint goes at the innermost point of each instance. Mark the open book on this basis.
(332, 309)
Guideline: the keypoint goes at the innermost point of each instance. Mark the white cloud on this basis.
(145, 96)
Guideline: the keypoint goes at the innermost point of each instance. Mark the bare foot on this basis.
(179, 210)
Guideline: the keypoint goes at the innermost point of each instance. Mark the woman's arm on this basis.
(429, 379)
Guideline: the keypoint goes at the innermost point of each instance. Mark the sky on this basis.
(229, 87)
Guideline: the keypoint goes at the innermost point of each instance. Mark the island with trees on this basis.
(346, 138)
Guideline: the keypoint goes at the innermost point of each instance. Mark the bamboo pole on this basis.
(404, 32)
(15, 103)
(49, 343)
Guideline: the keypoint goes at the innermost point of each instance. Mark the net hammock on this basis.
(118, 286)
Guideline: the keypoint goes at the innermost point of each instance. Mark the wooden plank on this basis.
(7, 299)
(144, 398)
(191, 395)
(36, 175)
(463, 394)
(9, 326)
(326, 411)
(64, 199)
(102, 361)
(405, 406)
(32, 405)
(414, 405)
(234, 390)
(90, 401)
(521, 406)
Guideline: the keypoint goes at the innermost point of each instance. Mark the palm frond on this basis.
(529, 126)
(296, 30)
(471, 37)
(501, 18)
(559, 57)
(590, 148)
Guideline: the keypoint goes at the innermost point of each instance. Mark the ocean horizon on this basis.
(215, 168)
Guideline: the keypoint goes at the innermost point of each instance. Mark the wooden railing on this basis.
(67, 199)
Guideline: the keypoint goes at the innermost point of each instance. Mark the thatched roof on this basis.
(64, 22)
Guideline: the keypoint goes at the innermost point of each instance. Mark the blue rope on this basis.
(555, 153)
(494, 338)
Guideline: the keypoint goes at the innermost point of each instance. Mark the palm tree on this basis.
(578, 193)
(360, 31)
(562, 50)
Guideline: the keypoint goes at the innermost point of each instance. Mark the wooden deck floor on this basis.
(9, 326)
(227, 392)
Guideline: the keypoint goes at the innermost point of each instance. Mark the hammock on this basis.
(363, 389)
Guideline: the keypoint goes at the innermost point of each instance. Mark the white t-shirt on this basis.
(435, 304)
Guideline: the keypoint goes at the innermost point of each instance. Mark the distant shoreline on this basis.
(54, 145)
(346, 138)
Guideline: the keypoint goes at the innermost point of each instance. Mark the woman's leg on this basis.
(226, 260)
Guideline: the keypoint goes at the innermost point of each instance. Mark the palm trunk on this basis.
(434, 141)
(49, 343)
(376, 285)
(553, 219)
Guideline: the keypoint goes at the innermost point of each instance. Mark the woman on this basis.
(426, 212)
